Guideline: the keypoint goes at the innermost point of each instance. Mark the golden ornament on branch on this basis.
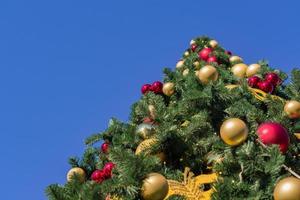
(168, 88)
(234, 131)
(292, 109)
(239, 70)
(145, 146)
(145, 130)
(180, 64)
(253, 69)
(155, 187)
(287, 189)
(190, 188)
(207, 73)
(78, 172)
(213, 43)
(235, 59)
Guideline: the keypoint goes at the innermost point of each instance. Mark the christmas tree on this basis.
(216, 128)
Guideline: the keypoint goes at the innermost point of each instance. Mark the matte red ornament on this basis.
(274, 133)
(98, 176)
(193, 47)
(273, 78)
(104, 147)
(265, 86)
(156, 87)
(253, 81)
(145, 88)
(204, 53)
(212, 59)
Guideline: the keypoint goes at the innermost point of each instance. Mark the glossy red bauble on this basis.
(274, 133)
(145, 88)
(212, 59)
(104, 147)
(253, 81)
(193, 47)
(156, 87)
(265, 86)
(98, 176)
(204, 53)
(273, 78)
(108, 169)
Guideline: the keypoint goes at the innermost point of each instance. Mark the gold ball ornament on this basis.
(235, 59)
(185, 72)
(253, 69)
(208, 73)
(180, 64)
(186, 54)
(145, 130)
(287, 189)
(292, 109)
(239, 70)
(234, 131)
(213, 43)
(168, 88)
(76, 171)
(196, 64)
(155, 187)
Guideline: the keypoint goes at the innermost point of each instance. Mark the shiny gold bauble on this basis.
(186, 54)
(287, 189)
(180, 64)
(208, 73)
(80, 173)
(196, 64)
(185, 72)
(239, 70)
(234, 131)
(168, 88)
(145, 130)
(292, 109)
(253, 69)
(213, 43)
(235, 59)
(155, 187)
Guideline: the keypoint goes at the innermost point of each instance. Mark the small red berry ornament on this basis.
(253, 81)
(212, 59)
(265, 86)
(273, 78)
(108, 169)
(204, 53)
(274, 133)
(156, 87)
(193, 47)
(104, 147)
(145, 88)
(98, 176)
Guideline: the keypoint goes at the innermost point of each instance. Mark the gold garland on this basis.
(190, 188)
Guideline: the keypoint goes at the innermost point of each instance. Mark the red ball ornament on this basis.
(108, 169)
(104, 147)
(274, 133)
(212, 59)
(145, 88)
(193, 47)
(253, 81)
(98, 176)
(156, 87)
(265, 86)
(204, 53)
(273, 78)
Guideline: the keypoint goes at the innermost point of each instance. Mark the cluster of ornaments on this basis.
(158, 87)
(268, 84)
(99, 175)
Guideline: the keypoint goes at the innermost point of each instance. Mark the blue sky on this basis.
(68, 66)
